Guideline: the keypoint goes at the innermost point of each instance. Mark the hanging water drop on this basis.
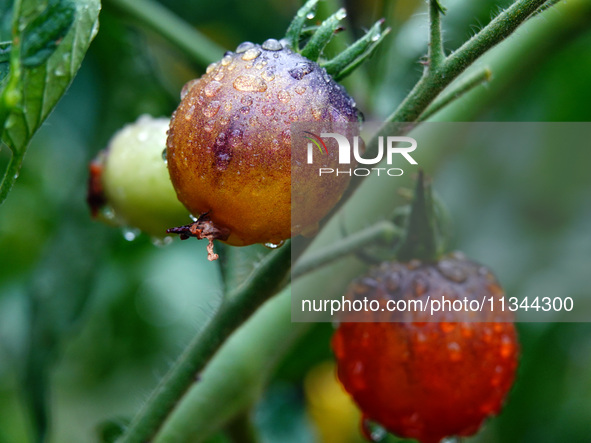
(130, 234)
(274, 245)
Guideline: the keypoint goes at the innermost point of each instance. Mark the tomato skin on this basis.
(229, 144)
(428, 379)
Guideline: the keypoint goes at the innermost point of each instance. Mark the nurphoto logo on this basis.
(390, 146)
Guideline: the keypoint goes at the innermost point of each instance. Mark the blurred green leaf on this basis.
(54, 43)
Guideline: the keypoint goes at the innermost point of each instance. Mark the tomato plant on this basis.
(90, 312)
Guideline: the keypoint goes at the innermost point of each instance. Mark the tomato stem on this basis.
(421, 240)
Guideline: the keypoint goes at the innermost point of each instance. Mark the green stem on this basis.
(435, 80)
(294, 31)
(381, 232)
(236, 309)
(323, 35)
(159, 19)
(455, 92)
(421, 239)
(436, 54)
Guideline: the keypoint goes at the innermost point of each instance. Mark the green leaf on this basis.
(44, 33)
(55, 37)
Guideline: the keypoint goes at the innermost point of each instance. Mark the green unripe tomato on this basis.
(135, 179)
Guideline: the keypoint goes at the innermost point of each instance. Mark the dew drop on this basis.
(451, 271)
(246, 100)
(211, 67)
(227, 106)
(187, 87)
(301, 70)
(372, 431)
(249, 83)
(310, 15)
(211, 109)
(194, 218)
(251, 54)
(231, 66)
(300, 89)
(235, 138)
(189, 113)
(268, 110)
(226, 60)
(208, 126)
(108, 213)
(420, 286)
(130, 234)
(212, 88)
(164, 154)
(268, 75)
(245, 110)
(392, 282)
(284, 96)
(375, 38)
(274, 245)
(272, 45)
(316, 113)
(243, 47)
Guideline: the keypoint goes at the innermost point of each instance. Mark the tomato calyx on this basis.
(202, 228)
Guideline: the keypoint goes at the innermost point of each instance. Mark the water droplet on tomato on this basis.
(243, 47)
(249, 83)
(211, 109)
(212, 88)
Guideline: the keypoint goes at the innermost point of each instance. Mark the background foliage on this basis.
(89, 320)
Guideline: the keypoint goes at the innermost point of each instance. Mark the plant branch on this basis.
(161, 20)
(381, 232)
(436, 54)
(455, 92)
(235, 310)
(434, 81)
